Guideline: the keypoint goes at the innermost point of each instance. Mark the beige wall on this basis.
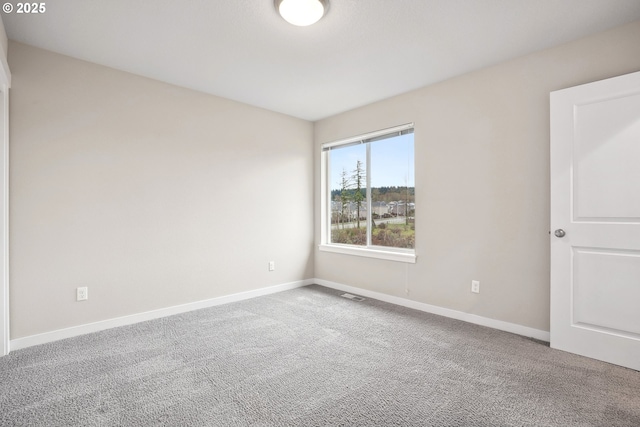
(482, 180)
(153, 195)
(149, 194)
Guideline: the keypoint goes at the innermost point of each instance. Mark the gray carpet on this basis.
(308, 357)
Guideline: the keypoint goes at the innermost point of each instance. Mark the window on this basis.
(369, 187)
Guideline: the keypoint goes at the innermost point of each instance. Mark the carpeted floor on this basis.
(308, 357)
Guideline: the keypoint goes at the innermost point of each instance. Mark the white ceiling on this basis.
(361, 52)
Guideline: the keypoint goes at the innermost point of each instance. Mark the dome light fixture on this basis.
(302, 12)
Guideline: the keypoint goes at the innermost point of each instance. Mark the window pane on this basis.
(393, 192)
(348, 183)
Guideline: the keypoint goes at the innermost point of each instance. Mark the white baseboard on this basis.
(74, 331)
(454, 314)
(46, 337)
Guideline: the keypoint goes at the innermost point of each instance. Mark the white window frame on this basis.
(369, 250)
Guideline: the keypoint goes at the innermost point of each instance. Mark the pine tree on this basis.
(344, 194)
(359, 180)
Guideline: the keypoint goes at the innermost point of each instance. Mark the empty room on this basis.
(320, 213)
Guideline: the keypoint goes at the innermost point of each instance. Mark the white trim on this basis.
(364, 136)
(150, 315)
(325, 203)
(368, 252)
(5, 84)
(74, 331)
(4, 224)
(441, 311)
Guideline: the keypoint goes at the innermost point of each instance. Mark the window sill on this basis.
(408, 257)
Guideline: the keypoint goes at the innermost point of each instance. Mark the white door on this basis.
(595, 220)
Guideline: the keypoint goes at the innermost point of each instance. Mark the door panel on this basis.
(595, 199)
(613, 306)
(607, 153)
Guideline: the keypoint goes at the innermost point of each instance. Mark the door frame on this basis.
(5, 84)
(4, 220)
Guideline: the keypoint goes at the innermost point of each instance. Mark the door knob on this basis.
(559, 233)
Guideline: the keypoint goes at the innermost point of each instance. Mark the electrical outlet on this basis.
(82, 294)
(272, 265)
(475, 286)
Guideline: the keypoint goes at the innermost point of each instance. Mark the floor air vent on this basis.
(352, 297)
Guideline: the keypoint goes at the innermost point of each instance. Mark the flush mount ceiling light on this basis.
(302, 12)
